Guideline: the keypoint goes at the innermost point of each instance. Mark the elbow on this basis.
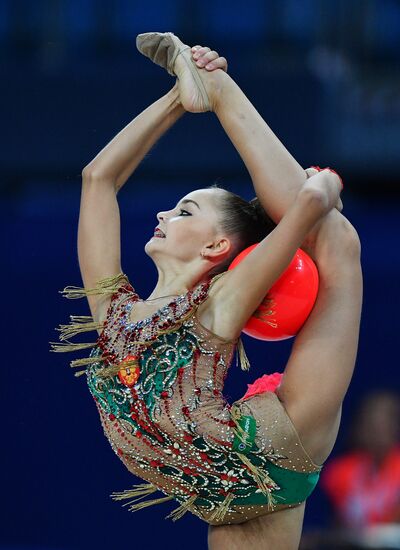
(314, 203)
(91, 174)
(314, 197)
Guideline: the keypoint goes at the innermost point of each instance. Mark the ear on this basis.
(218, 249)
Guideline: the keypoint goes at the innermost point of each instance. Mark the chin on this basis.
(148, 246)
(151, 245)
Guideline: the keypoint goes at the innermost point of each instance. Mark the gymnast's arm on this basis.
(99, 248)
(276, 175)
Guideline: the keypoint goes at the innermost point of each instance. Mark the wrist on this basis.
(220, 86)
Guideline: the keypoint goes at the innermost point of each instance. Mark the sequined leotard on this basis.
(157, 385)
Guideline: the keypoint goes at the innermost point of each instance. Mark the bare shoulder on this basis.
(217, 314)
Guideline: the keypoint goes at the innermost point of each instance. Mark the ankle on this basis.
(174, 97)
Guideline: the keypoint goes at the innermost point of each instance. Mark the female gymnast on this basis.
(157, 369)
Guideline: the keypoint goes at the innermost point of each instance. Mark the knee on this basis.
(337, 238)
(349, 238)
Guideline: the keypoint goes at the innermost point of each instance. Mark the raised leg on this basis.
(316, 377)
(322, 360)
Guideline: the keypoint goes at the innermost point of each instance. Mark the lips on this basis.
(159, 233)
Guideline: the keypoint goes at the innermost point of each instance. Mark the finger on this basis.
(311, 172)
(206, 58)
(339, 205)
(336, 174)
(195, 49)
(219, 63)
(200, 52)
(333, 175)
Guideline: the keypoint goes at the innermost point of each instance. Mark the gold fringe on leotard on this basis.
(79, 373)
(239, 431)
(264, 482)
(78, 324)
(182, 509)
(86, 323)
(244, 361)
(69, 346)
(222, 509)
(87, 361)
(108, 285)
(138, 493)
(146, 503)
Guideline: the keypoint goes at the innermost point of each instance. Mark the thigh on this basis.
(276, 530)
(324, 352)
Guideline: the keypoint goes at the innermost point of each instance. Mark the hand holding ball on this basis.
(289, 301)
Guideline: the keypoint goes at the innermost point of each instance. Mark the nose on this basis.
(164, 215)
(161, 216)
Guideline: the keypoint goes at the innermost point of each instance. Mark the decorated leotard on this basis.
(157, 385)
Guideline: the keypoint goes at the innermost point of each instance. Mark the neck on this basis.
(174, 284)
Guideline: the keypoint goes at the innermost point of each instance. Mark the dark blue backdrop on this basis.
(59, 469)
(67, 89)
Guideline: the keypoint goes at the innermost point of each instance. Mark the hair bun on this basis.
(255, 203)
(264, 222)
(261, 216)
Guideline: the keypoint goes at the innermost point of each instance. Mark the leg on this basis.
(279, 530)
(323, 356)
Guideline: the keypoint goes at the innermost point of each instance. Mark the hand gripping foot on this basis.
(163, 49)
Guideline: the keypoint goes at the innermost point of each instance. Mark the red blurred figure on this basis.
(364, 483)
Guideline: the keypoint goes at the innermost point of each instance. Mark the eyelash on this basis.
(185, 211)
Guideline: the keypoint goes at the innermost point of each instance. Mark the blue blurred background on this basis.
(324, 75)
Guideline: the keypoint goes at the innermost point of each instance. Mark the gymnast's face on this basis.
(189, 228)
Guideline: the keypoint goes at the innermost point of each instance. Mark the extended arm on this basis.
(99, 249)
(99, 221)
(276, 175)
(118, 159)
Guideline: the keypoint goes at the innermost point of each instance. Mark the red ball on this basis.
(289, 301)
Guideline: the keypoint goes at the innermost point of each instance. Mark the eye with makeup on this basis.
(186, 212)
